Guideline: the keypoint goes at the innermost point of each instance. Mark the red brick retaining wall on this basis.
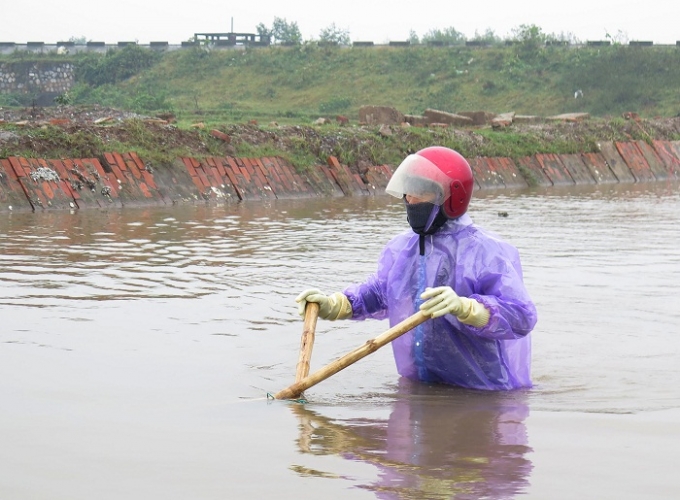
(124, 180)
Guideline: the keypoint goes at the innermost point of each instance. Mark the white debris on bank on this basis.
(44, 174)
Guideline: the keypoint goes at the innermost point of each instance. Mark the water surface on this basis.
(138, 345)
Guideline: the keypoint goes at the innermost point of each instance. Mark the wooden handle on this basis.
(307, 341)
(352, 357)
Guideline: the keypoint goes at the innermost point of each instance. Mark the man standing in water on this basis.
(467, 279)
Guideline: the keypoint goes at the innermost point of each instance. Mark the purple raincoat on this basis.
(476, 264)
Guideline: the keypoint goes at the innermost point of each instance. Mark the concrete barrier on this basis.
(669, 152)
(636, 162)
(615, 162)
(599, 168)
(533, 171)
(122, 179)
(555, 170)
(577, 169)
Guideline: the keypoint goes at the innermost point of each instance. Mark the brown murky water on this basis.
(137, 348)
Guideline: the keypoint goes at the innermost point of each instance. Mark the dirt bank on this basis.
(67, 131)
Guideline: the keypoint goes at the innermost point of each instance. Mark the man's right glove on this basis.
(332, 307)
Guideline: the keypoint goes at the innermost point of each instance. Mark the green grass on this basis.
(293, 86)
(299, 84)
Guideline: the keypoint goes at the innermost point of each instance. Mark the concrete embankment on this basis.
(124, 180)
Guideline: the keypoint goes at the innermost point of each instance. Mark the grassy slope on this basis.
(294, 86)
(307, 82)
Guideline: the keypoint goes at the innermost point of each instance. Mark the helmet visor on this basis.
(419, 177)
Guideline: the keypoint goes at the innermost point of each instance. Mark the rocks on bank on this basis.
(387, 115)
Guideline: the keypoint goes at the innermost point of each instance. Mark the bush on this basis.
(115, 66)
(63, 99)
(335, 105)
(106, 95)
(13, 99)
(151, 102)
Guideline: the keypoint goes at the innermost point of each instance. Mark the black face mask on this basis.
(425, 218)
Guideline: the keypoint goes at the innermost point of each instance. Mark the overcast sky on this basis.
(379, 21)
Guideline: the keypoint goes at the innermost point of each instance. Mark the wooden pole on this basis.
(306, 342)
(352, 357)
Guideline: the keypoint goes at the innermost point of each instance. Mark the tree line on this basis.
(284, 32)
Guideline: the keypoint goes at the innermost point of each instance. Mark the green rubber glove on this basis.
(331, 307)
(444, 300)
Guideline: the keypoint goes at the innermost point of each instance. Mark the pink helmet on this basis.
(435, 171)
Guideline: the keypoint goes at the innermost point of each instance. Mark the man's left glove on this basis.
(444, 300)
(332, 307)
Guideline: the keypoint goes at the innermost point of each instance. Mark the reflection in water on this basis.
(438, 442)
